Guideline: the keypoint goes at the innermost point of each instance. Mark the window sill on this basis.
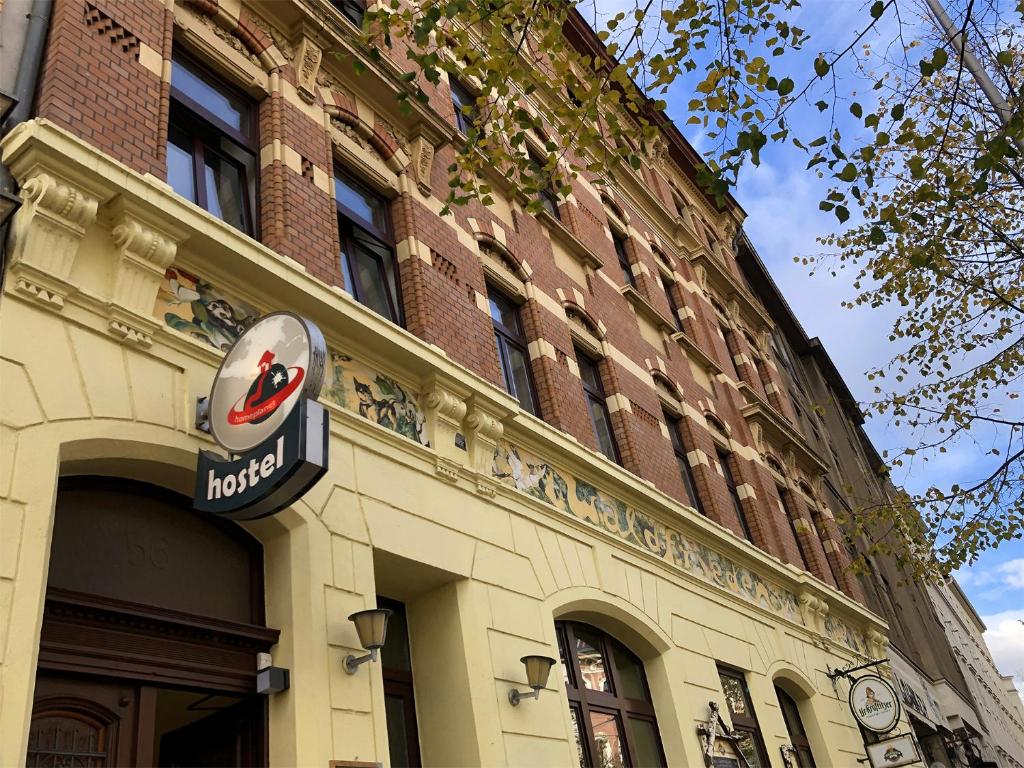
(695, 351)
(777, 431)
(562, 233)
(648, 310)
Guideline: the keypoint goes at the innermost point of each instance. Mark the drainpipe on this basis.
(25, 93)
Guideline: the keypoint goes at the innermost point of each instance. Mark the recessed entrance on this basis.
(153, 619)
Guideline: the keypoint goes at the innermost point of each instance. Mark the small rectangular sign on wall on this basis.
(893, 752)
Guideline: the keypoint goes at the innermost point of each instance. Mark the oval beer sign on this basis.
(874, 703)
(277, 361)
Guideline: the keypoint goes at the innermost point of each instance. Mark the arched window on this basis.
(795, 729)
(609, 701)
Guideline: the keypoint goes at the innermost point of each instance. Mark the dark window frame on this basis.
(724, 458)
(673, 305)
(585, 700)
(743, 723)
(399, 683)
(206, 128)
(619, 241)
(595, 397)
(460, 93)
(546, 194)
(675, 427)
(348, 222)
(505, 337)
(795, 729)
(353, 10)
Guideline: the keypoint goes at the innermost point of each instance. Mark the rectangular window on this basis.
(672, 304)
(546, 194)
(792, 526)
(464, 103)
(512, 352)
(367, 258)
(600, 419)
(744, 720)
(353, 10)
(675, 431)
(399, 701)
(724, 458)
(620, 252)
(211, 144)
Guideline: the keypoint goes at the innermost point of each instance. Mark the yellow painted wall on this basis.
(484, 567)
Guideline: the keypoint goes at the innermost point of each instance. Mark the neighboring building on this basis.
(999, 734)
(563, 435)
(929, 643)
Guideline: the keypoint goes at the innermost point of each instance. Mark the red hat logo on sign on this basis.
(274, 364)
(272, 386)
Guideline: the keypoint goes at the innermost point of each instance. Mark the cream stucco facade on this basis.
(94, 382)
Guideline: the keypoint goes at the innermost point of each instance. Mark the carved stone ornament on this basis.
(143, 256)
(307, 67)
(482, 430)
(445, 412)
(422, 163)
(48, 232)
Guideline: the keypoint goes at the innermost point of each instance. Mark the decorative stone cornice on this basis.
(48, 232)
(445, 412)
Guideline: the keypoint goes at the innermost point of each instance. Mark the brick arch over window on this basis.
(716, 424)
(574, 312)
(509, 260)
(255, 40)
(344, 111)
(663, 382)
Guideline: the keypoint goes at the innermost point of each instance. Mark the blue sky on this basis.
(781, 200)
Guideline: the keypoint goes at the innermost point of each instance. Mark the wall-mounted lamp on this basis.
(537, 670)
(372, 628)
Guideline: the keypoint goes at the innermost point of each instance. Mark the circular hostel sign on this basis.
(276, 362)
(874, 703)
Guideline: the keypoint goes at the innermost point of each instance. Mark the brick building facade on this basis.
(194, 164)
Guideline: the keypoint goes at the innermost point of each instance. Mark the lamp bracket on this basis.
(352, 663)
(515, 695)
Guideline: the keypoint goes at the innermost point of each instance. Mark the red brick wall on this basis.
(100, 92)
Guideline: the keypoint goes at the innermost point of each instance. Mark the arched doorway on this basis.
(609, 700)
(153, 619)
(795, 728)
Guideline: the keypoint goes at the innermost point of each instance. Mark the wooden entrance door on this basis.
(87, 723)
(150, 607)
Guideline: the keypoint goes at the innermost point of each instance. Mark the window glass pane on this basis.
(588, 372)
(369, 281)
(608, 735)
(464, 104)
(398, 740)
(630, 673)
(643, 740)
(199, 87)
(353, 10)
(577, 733)
(225, 191)
(735, 696)
(748, 747)
(592, 662)
(180, 171)
(504, 312)
(520, 388)
(395, 653)
(602, 428)
(565, 665)
(369, 208)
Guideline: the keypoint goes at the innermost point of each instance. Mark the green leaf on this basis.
(939, 58)
(785, 86)
(897, 112)
(841, 213)
(821, 105)
(877, 9)
(856, 110)
(821, 67)
(876, 236)
(849, 173)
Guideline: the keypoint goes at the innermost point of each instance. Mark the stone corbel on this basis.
(422, 163)
(307, 66)
(143, 255)
(48, 233)
(878, 644)
(445, 412)
(813, 611)
(483, 429)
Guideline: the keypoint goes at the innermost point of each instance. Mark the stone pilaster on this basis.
(48, 233)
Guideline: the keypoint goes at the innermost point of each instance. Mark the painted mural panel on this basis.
(529, 474)
(191, 305)
(356, 387)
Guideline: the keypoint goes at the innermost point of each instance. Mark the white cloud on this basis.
(1005, 575)
(1005, 639)
(1012, 572)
